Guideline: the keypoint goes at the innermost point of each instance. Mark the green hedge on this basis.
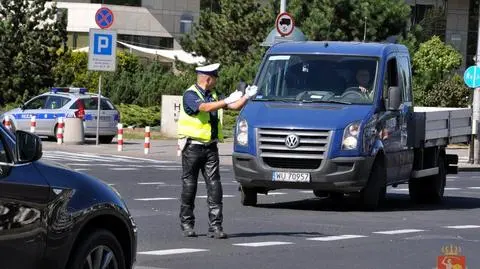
(134, 115)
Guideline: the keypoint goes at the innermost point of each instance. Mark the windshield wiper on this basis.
(326, 101)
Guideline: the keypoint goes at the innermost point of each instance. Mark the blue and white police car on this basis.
(66, 103)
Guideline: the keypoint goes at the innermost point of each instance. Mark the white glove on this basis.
(251, 91)
(235, 96)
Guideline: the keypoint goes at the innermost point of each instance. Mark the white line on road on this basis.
(124, 169)
(463, 227)
(168, 169)
(263, 244)
(474, 188)
(336, 237)
(397, 189)
(151, 183)
(404, 231)
(156, 199)
(172, 251)
(81, 169)
(309, 192)
(224, 196)
(276, 193)
(452, 189)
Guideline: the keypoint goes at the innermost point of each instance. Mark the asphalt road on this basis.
(289, 228)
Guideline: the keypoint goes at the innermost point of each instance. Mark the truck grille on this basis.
(307, 154)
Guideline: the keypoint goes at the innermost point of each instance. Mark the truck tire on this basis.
(429, 189)
(248, 196)
(375, 191)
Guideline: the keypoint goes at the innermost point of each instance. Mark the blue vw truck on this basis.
(338, 118)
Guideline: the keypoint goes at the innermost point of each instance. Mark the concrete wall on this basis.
(170, 114)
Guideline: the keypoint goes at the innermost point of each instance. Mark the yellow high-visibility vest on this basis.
(198, 126)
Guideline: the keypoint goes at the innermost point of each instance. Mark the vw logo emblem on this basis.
(292, 141)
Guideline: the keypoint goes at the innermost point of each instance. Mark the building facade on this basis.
(157, 24)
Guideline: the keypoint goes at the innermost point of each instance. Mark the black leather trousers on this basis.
(196, 158)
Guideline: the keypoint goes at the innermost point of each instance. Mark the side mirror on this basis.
(394, 98)
(28, 148)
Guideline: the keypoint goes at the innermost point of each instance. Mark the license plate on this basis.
(291, 177)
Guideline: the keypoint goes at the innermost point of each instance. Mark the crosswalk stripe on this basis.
(463, 227)
(151, 183)
(155, 199)
(123, 168)
(404, 231)
(474, 188)
(172, 251)
(263, 244)
(336, 237)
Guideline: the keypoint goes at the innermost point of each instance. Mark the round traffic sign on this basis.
(471, 77)
(285, 24)
(104, 17)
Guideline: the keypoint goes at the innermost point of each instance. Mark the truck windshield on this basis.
(318, 78)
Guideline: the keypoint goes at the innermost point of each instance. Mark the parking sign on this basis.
(102, 52)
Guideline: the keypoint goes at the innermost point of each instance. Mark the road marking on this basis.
(463, 227)
(309, 192)
(224, 196)
(396, 189)
(404, 231)
(336, 237)
(166, 166)
(172, 251)
(276, 193)
(263, 244)
(168, 169)
(151, 183)
(155, 199)
(79, 164)
(474, 188)
(453, 177)
(81, 169)
(452, 189)
(123, 169)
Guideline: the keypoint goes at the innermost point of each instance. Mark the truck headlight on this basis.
(350, 136)
(242, 133)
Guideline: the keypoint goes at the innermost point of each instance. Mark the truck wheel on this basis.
(374, 192)
(248, 196)
(429, 189)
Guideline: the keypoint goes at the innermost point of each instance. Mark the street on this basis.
(289, 228)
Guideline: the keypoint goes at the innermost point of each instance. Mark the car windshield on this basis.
(318, 78)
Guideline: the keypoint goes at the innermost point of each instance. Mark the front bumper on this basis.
(345, 174)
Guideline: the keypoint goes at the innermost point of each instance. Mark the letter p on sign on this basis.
(102, 44)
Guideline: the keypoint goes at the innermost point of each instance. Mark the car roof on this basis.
(369, 49)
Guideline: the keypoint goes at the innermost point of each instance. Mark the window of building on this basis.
(136, 3)
(153, 42)
(186, 22)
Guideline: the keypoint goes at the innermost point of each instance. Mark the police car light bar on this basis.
(69, 90)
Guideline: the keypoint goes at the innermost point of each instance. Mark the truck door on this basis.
(391, 131)
(406, 116)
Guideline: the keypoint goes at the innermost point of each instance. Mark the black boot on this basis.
(188, 231)
(217, 233)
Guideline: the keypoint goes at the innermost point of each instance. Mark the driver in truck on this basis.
(363, 80)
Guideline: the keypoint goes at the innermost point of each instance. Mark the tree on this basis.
(231, 34)
(31, 34)
(345, 19)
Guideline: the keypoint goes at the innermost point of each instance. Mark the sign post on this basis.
(471, 78)
(102, 52)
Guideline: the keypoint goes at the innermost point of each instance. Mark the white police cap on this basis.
(211, 70)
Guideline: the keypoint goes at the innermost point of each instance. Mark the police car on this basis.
(66, 103)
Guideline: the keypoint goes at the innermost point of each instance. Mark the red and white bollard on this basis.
(120, 137)
(33, 123)
(60, 127)
(7, 122)
(147, 140)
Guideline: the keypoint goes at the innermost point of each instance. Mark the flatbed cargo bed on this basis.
(440, 126)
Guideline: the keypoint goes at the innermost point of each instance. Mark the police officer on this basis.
(199, 130)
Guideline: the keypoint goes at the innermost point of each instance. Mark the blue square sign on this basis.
(102, 44)
(102, 52)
